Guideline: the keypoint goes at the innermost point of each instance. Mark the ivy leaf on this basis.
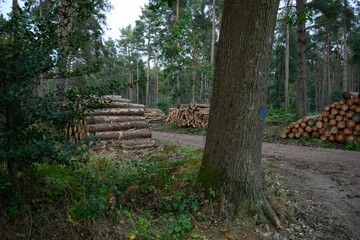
(195, 236)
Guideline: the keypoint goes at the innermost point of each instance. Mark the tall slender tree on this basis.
(301, 90)
(287, 55)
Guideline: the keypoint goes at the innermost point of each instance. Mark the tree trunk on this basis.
(178, 46)
(301, 90)
(41, 88)
(328, 67)
(287, 56)
(60, 82)
(9, 124)
(130, 82)
(323, 82)
(137, 74)
(213, 35)
(345, 71)
(156, 90)
(14, 6)
(232, 160)
(148, 74)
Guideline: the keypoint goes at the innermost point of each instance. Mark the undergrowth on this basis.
(182, 130)
(151, 197)
(128, 195)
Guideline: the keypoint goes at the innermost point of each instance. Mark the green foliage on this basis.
(32, 126)
(196, 131)
(177, 227)
(163, 104)
(156, 195)
(280, 116)
(301, 19)
(352, 146)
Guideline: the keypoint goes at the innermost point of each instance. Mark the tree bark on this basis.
(157, 76)
(137, 73)
(60, 82)
(130, 134)
(232, 160)
(287, 56)
(329, 92)
(113, 119)
(148, 74)
(117, 112)
(323, 82)
(301, 90)
(11, 138)
(345, 71)
(14, 6)
(105, 127)
(213, 35)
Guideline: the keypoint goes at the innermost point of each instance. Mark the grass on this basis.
(182, 130)
(128, 195)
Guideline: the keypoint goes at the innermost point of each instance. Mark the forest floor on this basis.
(321, 186)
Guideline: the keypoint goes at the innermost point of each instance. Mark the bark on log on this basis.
(142, 133)
(117, 112)
(115, 98)
(113, 119)
(118, 105)
(106, 127)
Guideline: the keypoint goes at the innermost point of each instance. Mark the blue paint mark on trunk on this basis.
(262, 112)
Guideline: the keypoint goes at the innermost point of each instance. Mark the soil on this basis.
(322, 187)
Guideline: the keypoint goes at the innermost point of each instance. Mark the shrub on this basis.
(164, 105)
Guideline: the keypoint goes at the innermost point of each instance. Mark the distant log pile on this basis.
(339, 121)
(190, 115)
(155, 117)
(76, 131)
(119, 123)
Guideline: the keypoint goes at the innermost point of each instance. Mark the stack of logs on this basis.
(155, 117)
(77, 130)
(119, 123)
(338, 121)
(190, 115)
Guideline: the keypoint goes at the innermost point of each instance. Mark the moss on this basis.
(208, 176)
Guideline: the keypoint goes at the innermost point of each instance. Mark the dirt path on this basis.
(332, 177)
